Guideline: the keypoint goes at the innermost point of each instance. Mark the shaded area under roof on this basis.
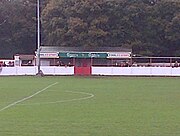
(26, 57)
(82, 49)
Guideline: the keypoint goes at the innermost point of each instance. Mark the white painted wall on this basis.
(8, 71)
(136, 71)
(32, 70)
(53, 70)
(130, 71)
(28, 70)
(64, 71)
(175, 72)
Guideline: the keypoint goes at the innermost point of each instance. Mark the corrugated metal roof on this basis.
(26, 57)
(82, 49)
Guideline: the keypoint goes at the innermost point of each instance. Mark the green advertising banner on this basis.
(82, 55)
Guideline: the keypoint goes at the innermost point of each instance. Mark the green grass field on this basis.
(89, 106)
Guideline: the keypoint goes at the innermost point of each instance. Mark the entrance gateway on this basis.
(82, 61)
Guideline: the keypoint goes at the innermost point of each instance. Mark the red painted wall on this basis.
(83, 71)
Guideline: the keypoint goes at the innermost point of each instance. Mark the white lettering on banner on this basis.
(119, 54)
(72, 55)
(94, 55)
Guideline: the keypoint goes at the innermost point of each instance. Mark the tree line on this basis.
(149, 27)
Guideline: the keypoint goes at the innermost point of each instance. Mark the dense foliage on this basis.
(149, 27)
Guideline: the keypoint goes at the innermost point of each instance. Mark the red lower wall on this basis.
(84, 71)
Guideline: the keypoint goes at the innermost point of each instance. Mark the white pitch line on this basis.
(28, 97)
(62, 101)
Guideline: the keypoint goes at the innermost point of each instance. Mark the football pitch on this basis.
(89, 106)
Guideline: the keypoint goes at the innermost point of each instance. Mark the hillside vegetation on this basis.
(149, 27)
